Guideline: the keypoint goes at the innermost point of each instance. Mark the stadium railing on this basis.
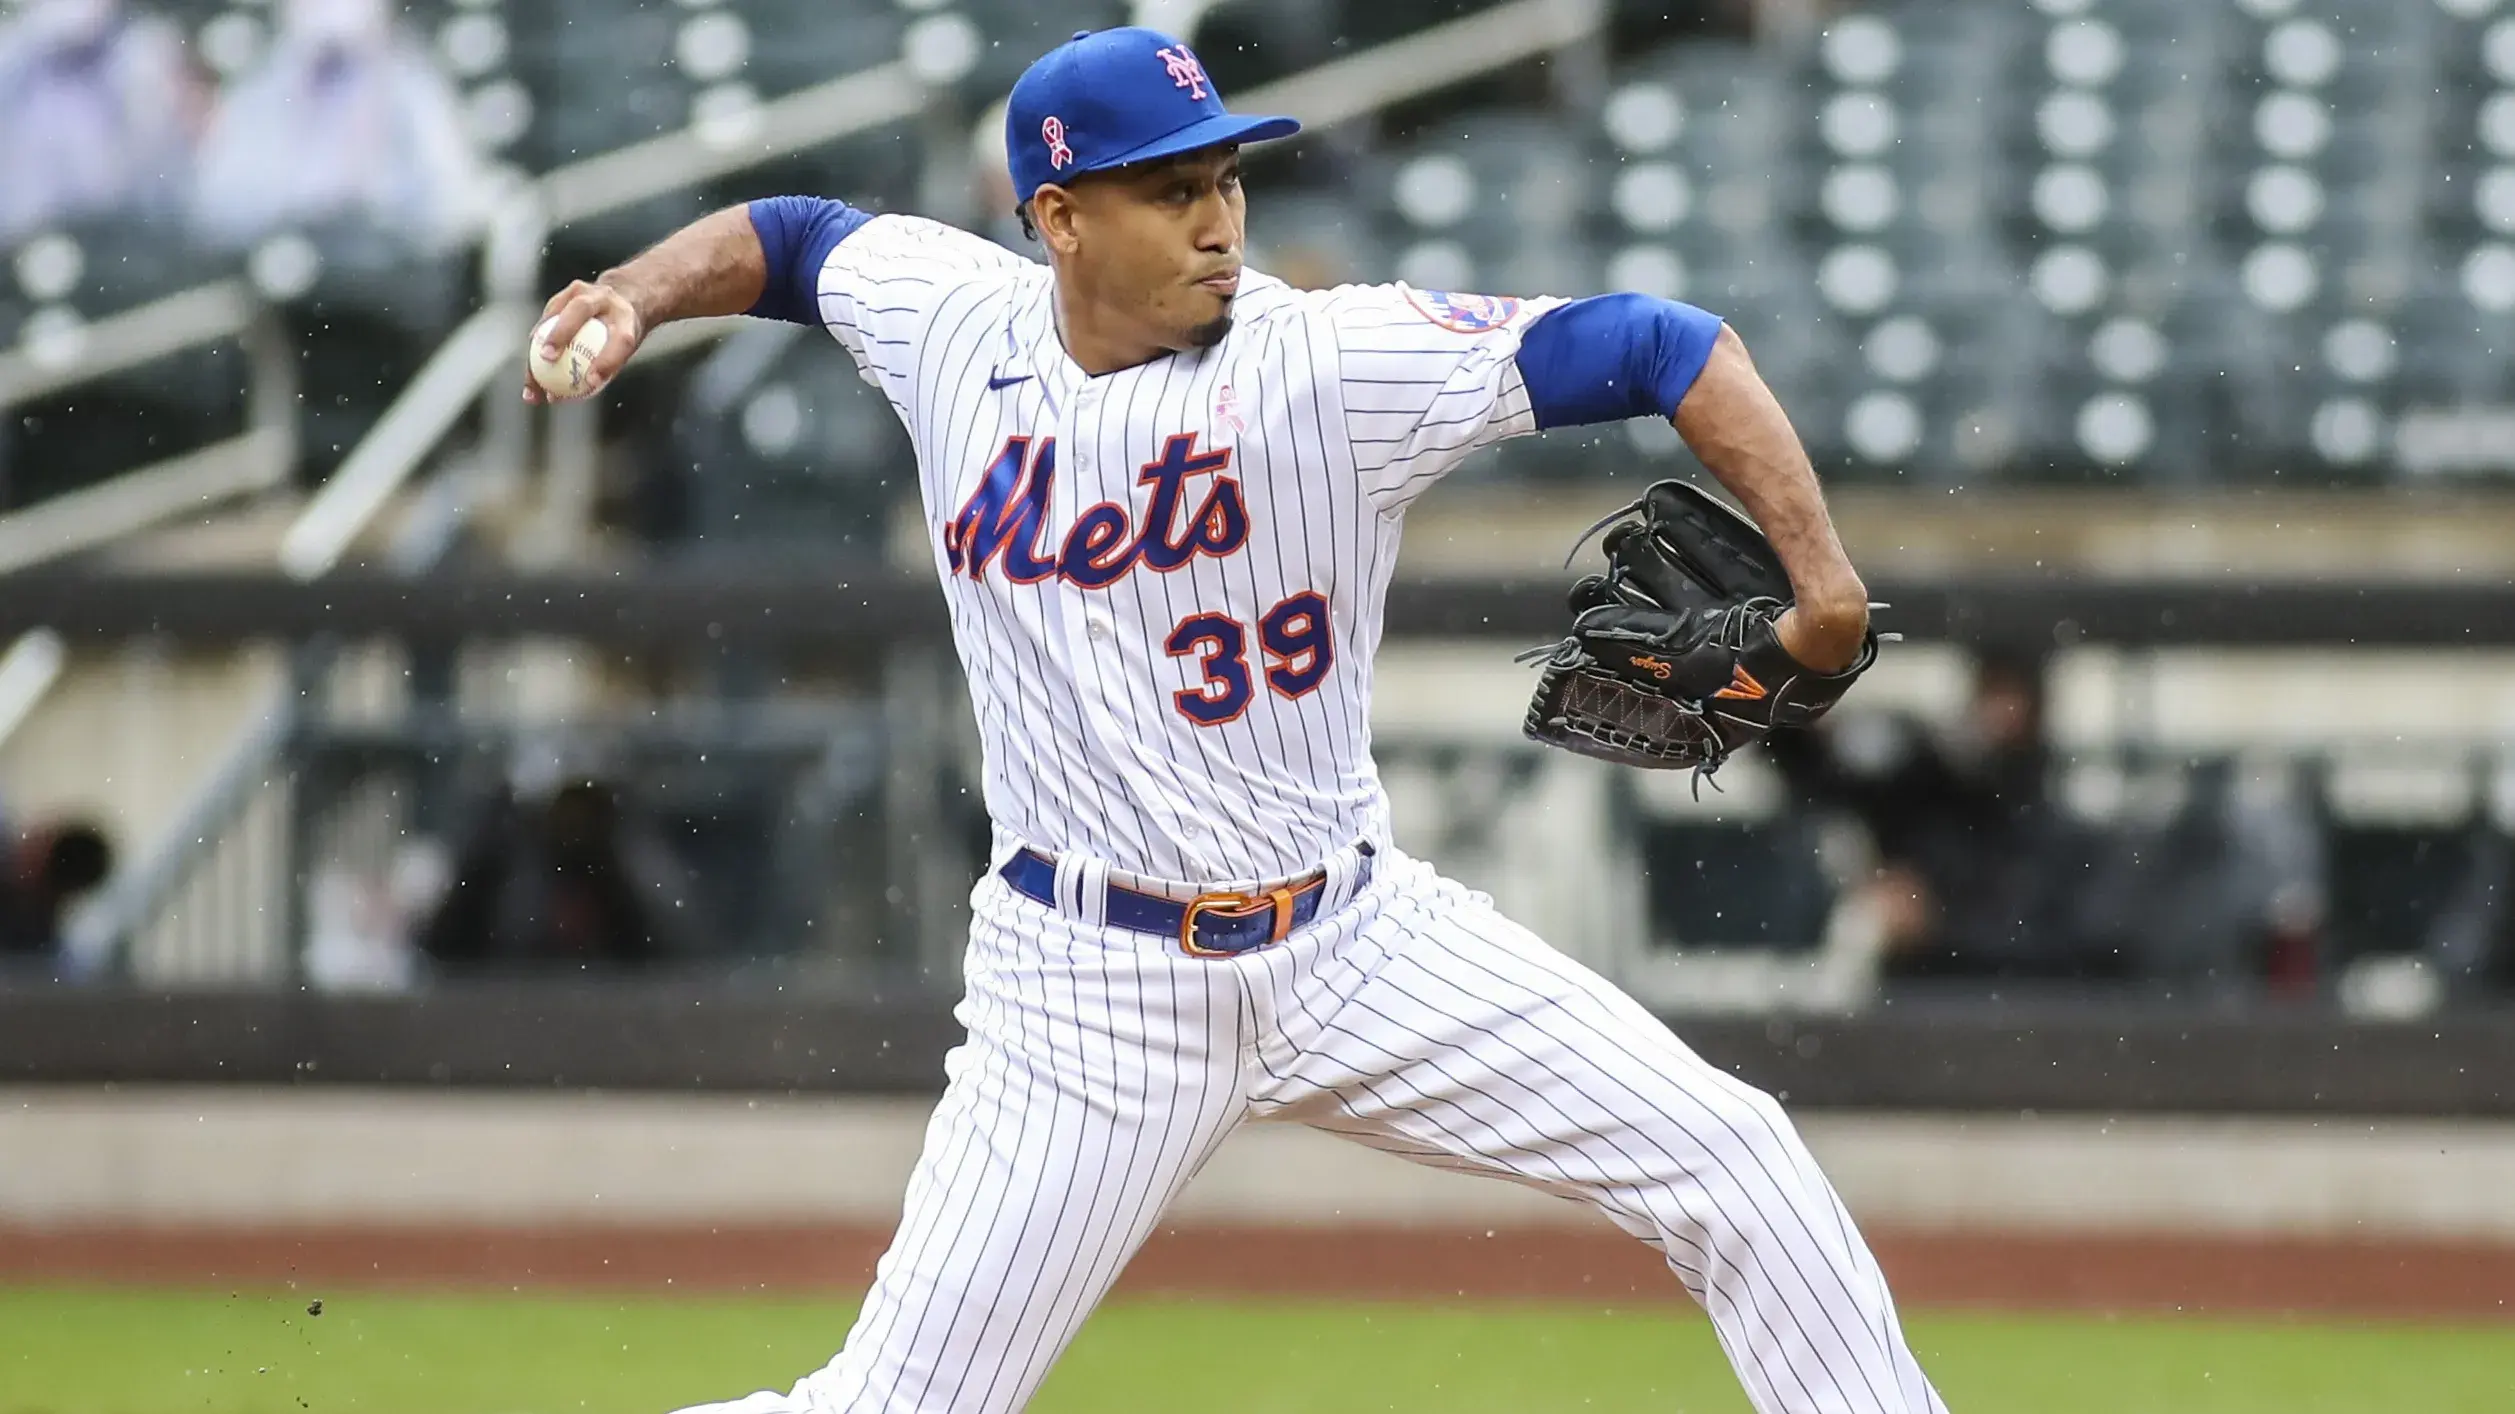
(466, 366)
(255, 460)
(885, 631)
(469, 363)
(262, 458)
(465, 370)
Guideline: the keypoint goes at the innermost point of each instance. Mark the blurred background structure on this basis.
(2092, 297)
(2159, 356)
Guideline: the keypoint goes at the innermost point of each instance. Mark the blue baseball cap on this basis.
(1111, 98)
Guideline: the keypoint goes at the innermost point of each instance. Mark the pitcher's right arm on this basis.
(762, 258)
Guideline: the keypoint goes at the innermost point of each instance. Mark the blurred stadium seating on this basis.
(2159, 248)
(2074, 239)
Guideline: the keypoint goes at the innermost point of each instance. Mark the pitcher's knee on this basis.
(1740, 1130)
(1735, 1173)
(1767, 1115)
(1743, 1109)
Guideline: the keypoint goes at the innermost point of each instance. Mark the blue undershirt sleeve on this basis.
(1612, 357)
(797, 234)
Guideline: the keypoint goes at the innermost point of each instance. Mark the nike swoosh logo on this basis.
(998, 381)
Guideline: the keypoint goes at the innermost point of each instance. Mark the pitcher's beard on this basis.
(1210, 333)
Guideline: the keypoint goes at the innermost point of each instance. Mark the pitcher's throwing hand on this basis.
(563, 361)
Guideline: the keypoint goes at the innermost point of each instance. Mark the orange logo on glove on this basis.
(1742, 686)
(1653, 666)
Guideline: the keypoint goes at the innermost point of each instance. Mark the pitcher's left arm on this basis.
(1627, 355)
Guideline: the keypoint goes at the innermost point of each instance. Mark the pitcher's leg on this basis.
(1473, 1044)
(1091, 1088)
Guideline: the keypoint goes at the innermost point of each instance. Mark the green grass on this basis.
(84, 1351)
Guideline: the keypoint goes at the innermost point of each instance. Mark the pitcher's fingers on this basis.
(567, 314)
(551, 306)
(619, 342)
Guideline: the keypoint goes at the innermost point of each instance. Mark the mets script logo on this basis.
(1464, 314)
(1004, 519)
(1052, 132)
(1185, 72)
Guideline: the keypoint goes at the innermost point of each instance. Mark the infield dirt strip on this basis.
(2012, 1271)
(346, 1186)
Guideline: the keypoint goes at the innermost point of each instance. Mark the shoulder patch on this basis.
(1460, 313)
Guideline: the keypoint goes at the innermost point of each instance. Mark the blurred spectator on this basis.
(1979, 869)
(345, 121)
(50, 870)
(2472, 940)
(359, 928)
(97, 109)
(1983, 874)
(2224, 897)
(571, 881)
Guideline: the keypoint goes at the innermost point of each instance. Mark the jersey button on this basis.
(1098, 628)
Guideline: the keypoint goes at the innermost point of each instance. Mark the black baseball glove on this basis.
(1672, 660)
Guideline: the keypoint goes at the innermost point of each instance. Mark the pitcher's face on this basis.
(1156, 246)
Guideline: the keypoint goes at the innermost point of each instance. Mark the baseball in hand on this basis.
(570, 374)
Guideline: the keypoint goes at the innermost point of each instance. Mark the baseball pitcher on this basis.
(1164, 495)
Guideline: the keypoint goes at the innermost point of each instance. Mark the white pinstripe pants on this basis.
(1103, 1067)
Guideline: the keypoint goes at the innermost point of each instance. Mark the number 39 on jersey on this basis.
(1003, 525)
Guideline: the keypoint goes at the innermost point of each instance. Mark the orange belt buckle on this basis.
(1236, 906)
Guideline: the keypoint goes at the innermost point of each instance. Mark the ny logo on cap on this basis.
(1185, 72)
(1053, 133)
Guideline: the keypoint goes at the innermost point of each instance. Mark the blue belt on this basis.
(1209, 925)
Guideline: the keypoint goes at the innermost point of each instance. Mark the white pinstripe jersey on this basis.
(1166, 582)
